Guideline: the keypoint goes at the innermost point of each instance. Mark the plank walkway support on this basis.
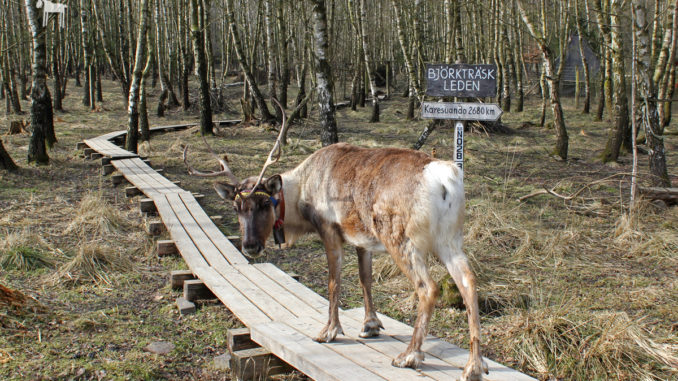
(282, 314)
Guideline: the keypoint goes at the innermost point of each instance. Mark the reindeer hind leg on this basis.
(458, 266)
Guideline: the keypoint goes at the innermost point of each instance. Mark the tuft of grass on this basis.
(559, 343)
(25, 250)
(96, 217)
(24, 258)
(94, 261)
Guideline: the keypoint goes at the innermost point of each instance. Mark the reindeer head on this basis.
(258, 201)
(256, 209)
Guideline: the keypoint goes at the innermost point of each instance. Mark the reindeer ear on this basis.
(225, 190)
(273, 184)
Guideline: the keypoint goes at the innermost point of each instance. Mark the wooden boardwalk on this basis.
(282, 314)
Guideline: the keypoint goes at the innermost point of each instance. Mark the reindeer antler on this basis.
(277, 149)
(225, 170)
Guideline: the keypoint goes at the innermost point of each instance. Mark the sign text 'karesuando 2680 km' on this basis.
(461, 80)
(460, 111)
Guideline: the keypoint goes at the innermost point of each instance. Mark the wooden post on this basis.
(239, 339)
(166, 247)
(185, 307)
(155, 228)
(178, 277)
(256, 363)
(80, 146)
(132, 191)
(195, 289)
(107, 169)
(146, 205)
(117, 179)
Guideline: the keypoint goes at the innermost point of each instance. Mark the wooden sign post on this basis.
(466, 81)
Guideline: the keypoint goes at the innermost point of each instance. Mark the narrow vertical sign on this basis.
(459, 145)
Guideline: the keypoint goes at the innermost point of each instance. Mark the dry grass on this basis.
(94, 261)
(559, 342)
(25, 250)
(96, 217)
(100, 228)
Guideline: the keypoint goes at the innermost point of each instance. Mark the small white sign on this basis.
(461, 111)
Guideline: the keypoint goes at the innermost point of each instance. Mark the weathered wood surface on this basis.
(283, 314)
(659, 193)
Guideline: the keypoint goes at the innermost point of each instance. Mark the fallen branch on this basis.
(669, 195)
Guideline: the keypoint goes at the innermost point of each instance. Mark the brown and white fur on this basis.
(396, 200)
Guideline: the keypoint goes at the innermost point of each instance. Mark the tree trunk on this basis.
(56, 72)
(139, 61)
(369, 66)
(284, 57)
(270, 48)
(647, 87)
(620, 135)
(584, 63)
(240, 54)
(206, 125)
(144, 129)
(6, 161)
(328, 133)
(42, 120)
(552, 76)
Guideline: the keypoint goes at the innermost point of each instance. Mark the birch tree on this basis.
(542, 35)
(323, 75)
(139, 63)
(197, 35)
(42, 118)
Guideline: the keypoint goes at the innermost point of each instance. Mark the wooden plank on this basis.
(437, 349)
(212, 231)
(254, 293)
(136, 170)
(358, 353)
(141, 182)
(314, 300)
(386, 345)
(313, 359)
(207, 249)
(161, 183)
(188, 251)
(295, 305)
(248, 313)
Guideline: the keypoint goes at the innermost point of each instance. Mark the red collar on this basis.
(281, 216)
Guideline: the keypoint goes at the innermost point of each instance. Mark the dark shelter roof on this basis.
(573, 60)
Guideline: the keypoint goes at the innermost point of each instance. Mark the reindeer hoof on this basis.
(408, 360)
(371, 328)
(329, 333)
(473, 371)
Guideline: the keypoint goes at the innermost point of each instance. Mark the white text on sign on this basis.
(460, 111)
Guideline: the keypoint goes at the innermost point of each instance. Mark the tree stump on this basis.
(16, 127)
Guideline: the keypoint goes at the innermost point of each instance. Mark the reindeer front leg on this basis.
(372, 324)
(333, 242)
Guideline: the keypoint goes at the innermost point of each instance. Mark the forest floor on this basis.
(569, 289)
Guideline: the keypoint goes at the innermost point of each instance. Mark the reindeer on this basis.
(383, 199)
